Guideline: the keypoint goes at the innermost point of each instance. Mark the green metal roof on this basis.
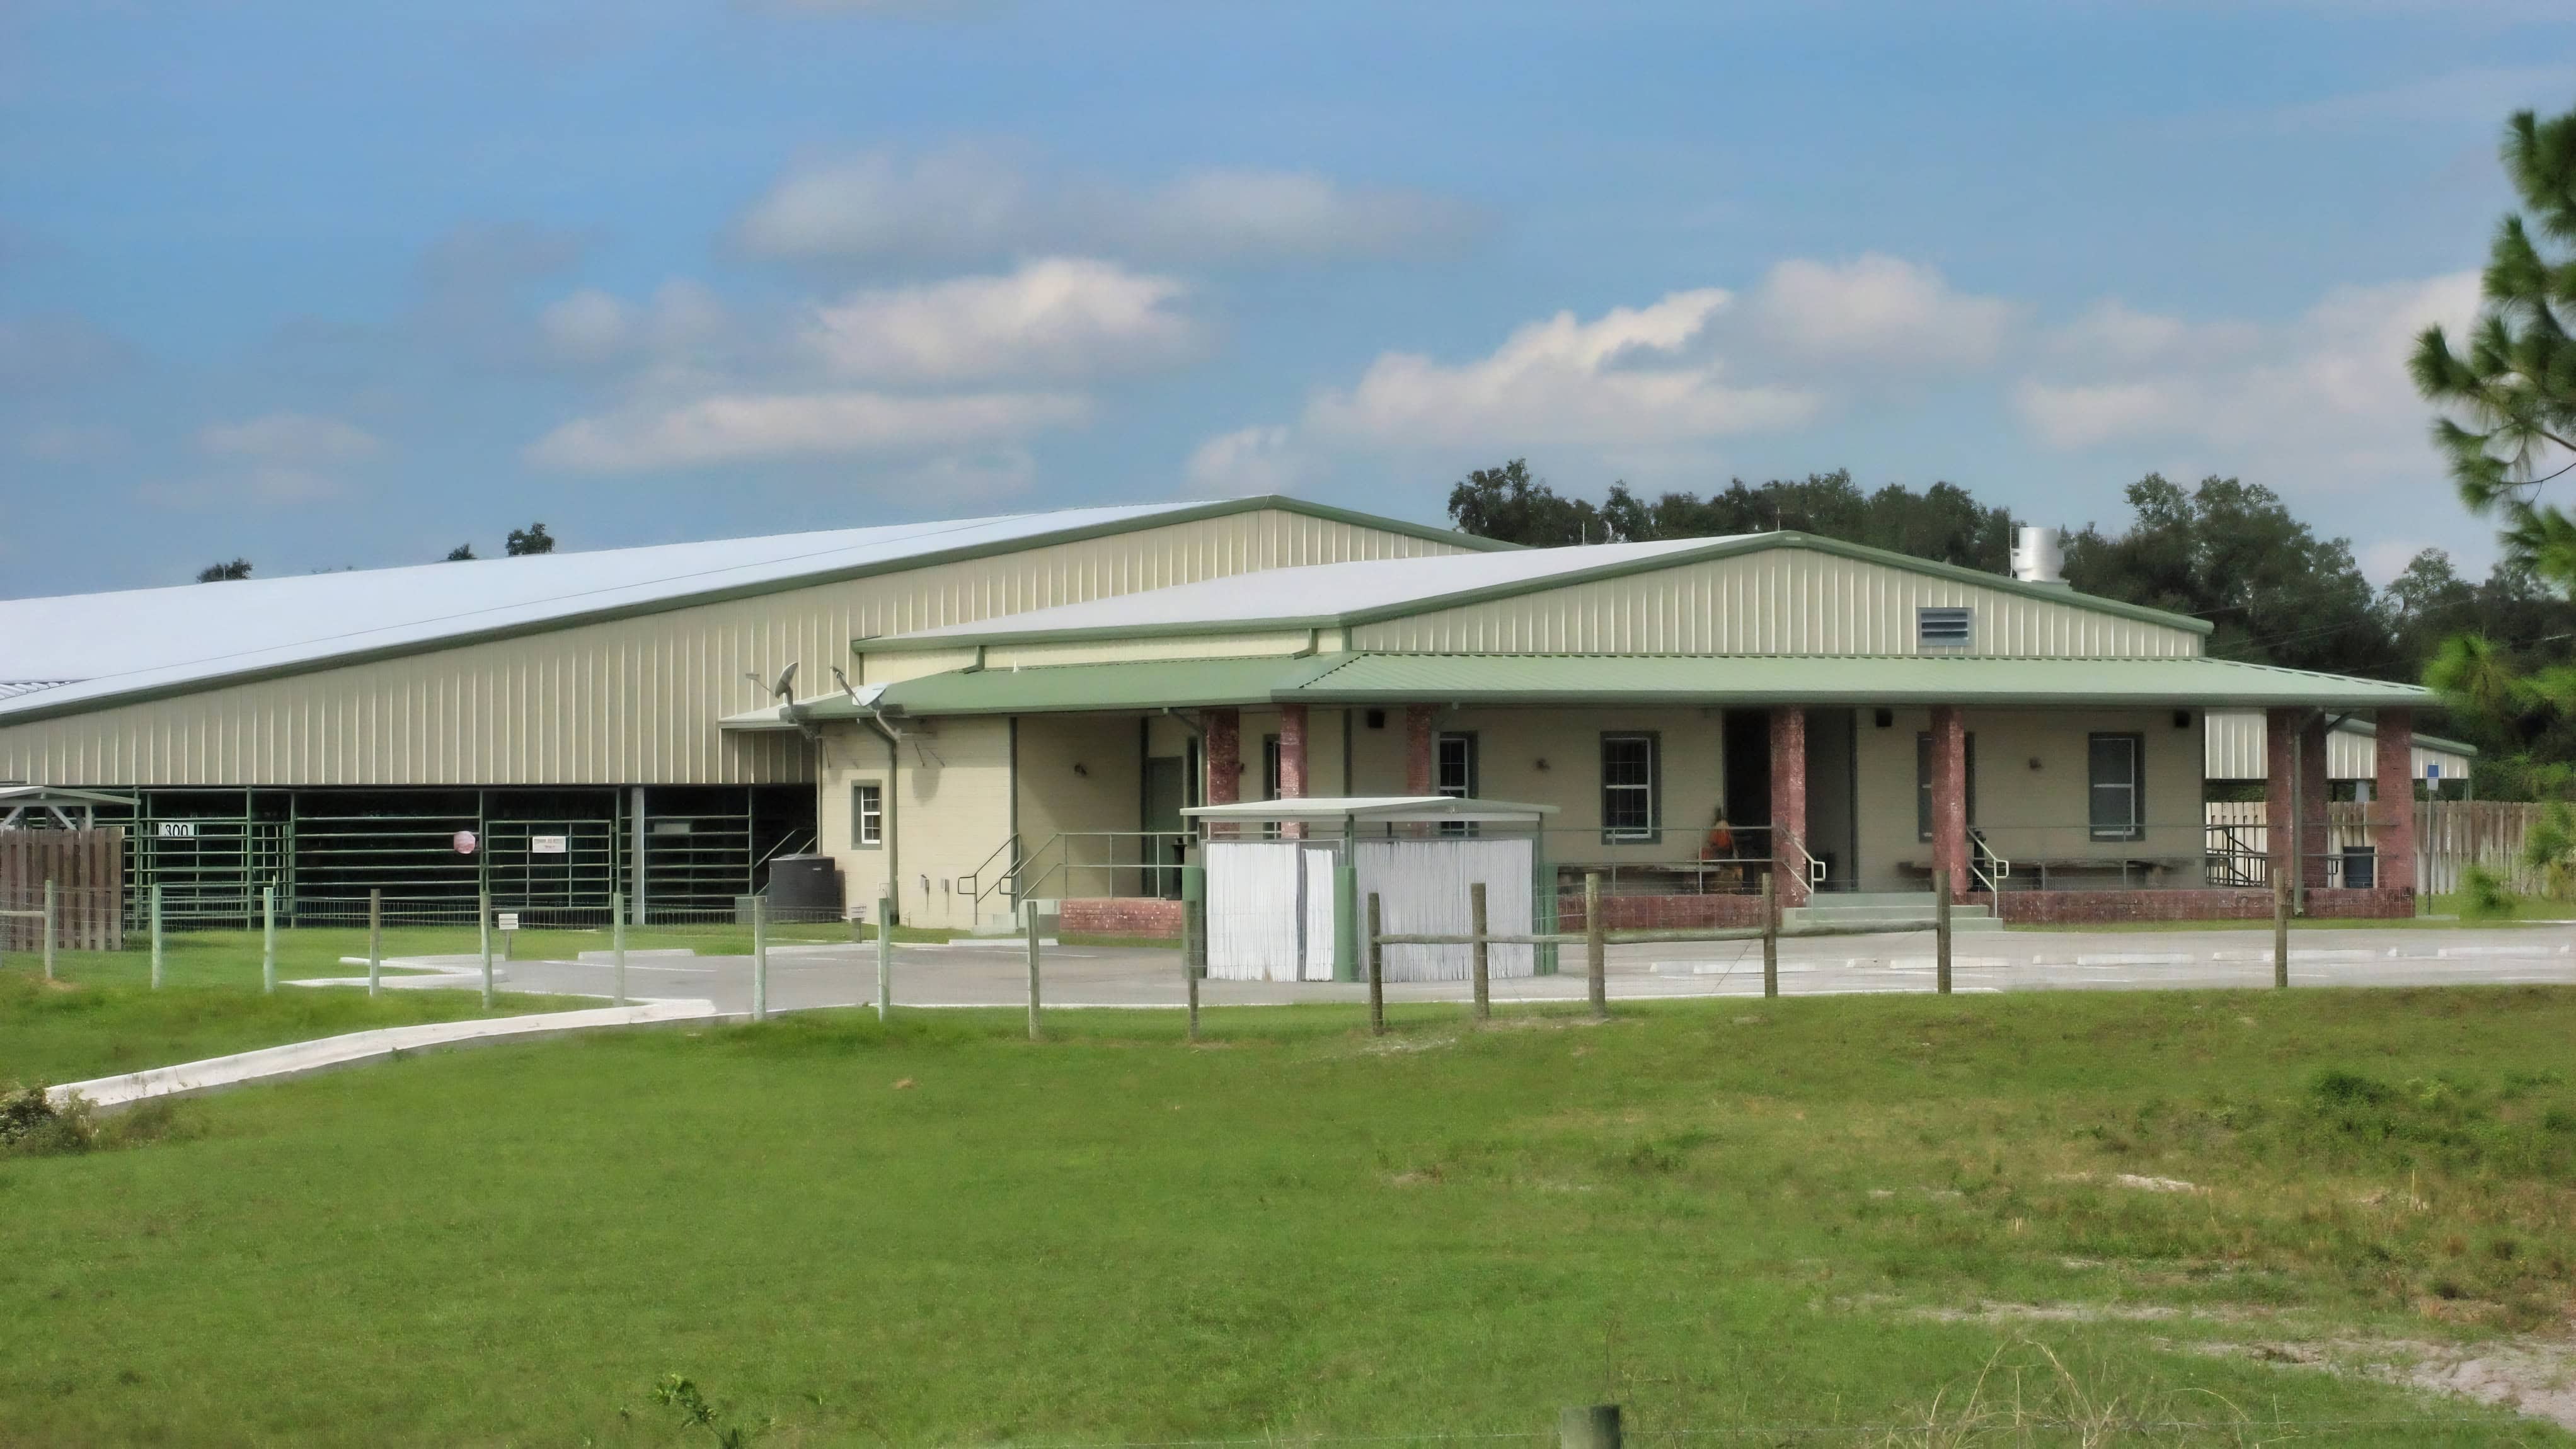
(1564, 680)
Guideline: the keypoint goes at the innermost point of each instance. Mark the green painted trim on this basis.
(672, 604)
(1715, 549)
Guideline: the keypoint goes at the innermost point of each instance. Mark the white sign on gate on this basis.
(509, 920)
(177, 830)
(545, 845)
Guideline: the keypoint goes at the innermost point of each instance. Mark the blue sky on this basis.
(337, 285)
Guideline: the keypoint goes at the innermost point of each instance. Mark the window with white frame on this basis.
(867, 815)
(2114, 768)
(1630, 777)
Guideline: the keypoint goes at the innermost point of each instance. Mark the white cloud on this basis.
(1880, 310)
(1283, 214)
(591, 326)
(1249, 461)
(1630, 378)
(737, 427)
(972, 477)
(1059, 317)
(2321, 402)
(954, 202)
(289, 438)
(966, 203)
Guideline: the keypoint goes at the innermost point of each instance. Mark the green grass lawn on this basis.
(1722, 1215)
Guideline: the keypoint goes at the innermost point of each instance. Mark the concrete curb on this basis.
(297, 1059)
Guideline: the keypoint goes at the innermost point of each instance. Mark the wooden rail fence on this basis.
(88, 871)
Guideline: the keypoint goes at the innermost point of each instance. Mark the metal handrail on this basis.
(1001, 878)
(1789, 850)
(1979, 849)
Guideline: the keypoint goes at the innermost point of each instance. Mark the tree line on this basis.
(521, 543)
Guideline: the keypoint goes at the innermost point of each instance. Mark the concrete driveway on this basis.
(995, 973)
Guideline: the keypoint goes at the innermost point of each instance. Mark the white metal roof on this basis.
(1396, 808)
(1315, 590)
(79, 646)
(2233, 749)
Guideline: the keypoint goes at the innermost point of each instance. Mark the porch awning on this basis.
(1571, 679)
(1372, 810)
(1625, 679)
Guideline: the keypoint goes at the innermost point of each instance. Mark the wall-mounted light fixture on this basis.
(1541, 762)
(1082, 769)
(2034, 762)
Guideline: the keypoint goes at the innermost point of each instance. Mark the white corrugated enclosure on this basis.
(1421, 886)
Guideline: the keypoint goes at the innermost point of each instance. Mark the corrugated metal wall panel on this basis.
(1785, 601)
(2235, 752)
(629, 700)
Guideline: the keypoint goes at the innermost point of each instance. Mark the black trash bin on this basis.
(2360, 867)
(804, 888)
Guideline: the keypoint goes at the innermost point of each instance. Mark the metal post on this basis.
(1476, 927)
(268, 939)
(617, 945)
(375, 942)
(1596, 947)
(1376, 968)
(760, 958)
(156, 935)
(1771, 932)
(885, 954)
(1941, 933)
(1029, 914)
(2281, 933)
(52, 923)
(483, 937)
(1593, 1426)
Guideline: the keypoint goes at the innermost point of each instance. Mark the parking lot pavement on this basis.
(995, 973)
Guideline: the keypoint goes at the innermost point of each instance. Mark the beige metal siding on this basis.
(2236, 752)
(1782, 601)
(630, 700)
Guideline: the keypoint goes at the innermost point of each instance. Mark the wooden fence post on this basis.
(1593, 1426)
(760, 958)
(1770, 933)
(885, 955)
(2281, 931)
(1941, 932)
(1596, 948)
(52, 923)
(617, 945)
(1476, 927)
(483, 940)
(1376, 969)
(268, 939)
(1029, 913)
(156, 935)
(375, 942)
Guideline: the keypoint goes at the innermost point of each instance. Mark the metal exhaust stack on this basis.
(2038, 557)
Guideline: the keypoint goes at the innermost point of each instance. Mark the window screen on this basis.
(2113, 766)
(1629, 809)
(1943, 628)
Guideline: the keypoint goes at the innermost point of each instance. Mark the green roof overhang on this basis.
(1574, 680)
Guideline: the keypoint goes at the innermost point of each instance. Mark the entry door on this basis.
(1167, 782)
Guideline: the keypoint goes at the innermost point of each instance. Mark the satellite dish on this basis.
(783, 688)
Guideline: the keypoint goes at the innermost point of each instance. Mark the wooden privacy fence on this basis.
(2450, 836)
(88, 871)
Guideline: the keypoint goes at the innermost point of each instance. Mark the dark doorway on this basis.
(1166, 792)
(1747, 783)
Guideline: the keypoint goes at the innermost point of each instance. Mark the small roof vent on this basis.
(2039, 556)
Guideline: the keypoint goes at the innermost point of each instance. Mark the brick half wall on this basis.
(2087, 908)
(1661, 913)
(1139, 917)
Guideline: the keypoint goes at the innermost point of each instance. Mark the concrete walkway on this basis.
(300, 1058)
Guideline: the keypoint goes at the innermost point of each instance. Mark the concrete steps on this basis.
(1894, 910)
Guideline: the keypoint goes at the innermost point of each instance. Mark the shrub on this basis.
(32, 1126)
(2485, 896)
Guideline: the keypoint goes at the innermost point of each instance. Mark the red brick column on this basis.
(2280, 732)
(2392, 804)
(1949, 799)
(1221, 740)
(2313, 799)
(1789, 802)
(1417, 749)
(1292, 761)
